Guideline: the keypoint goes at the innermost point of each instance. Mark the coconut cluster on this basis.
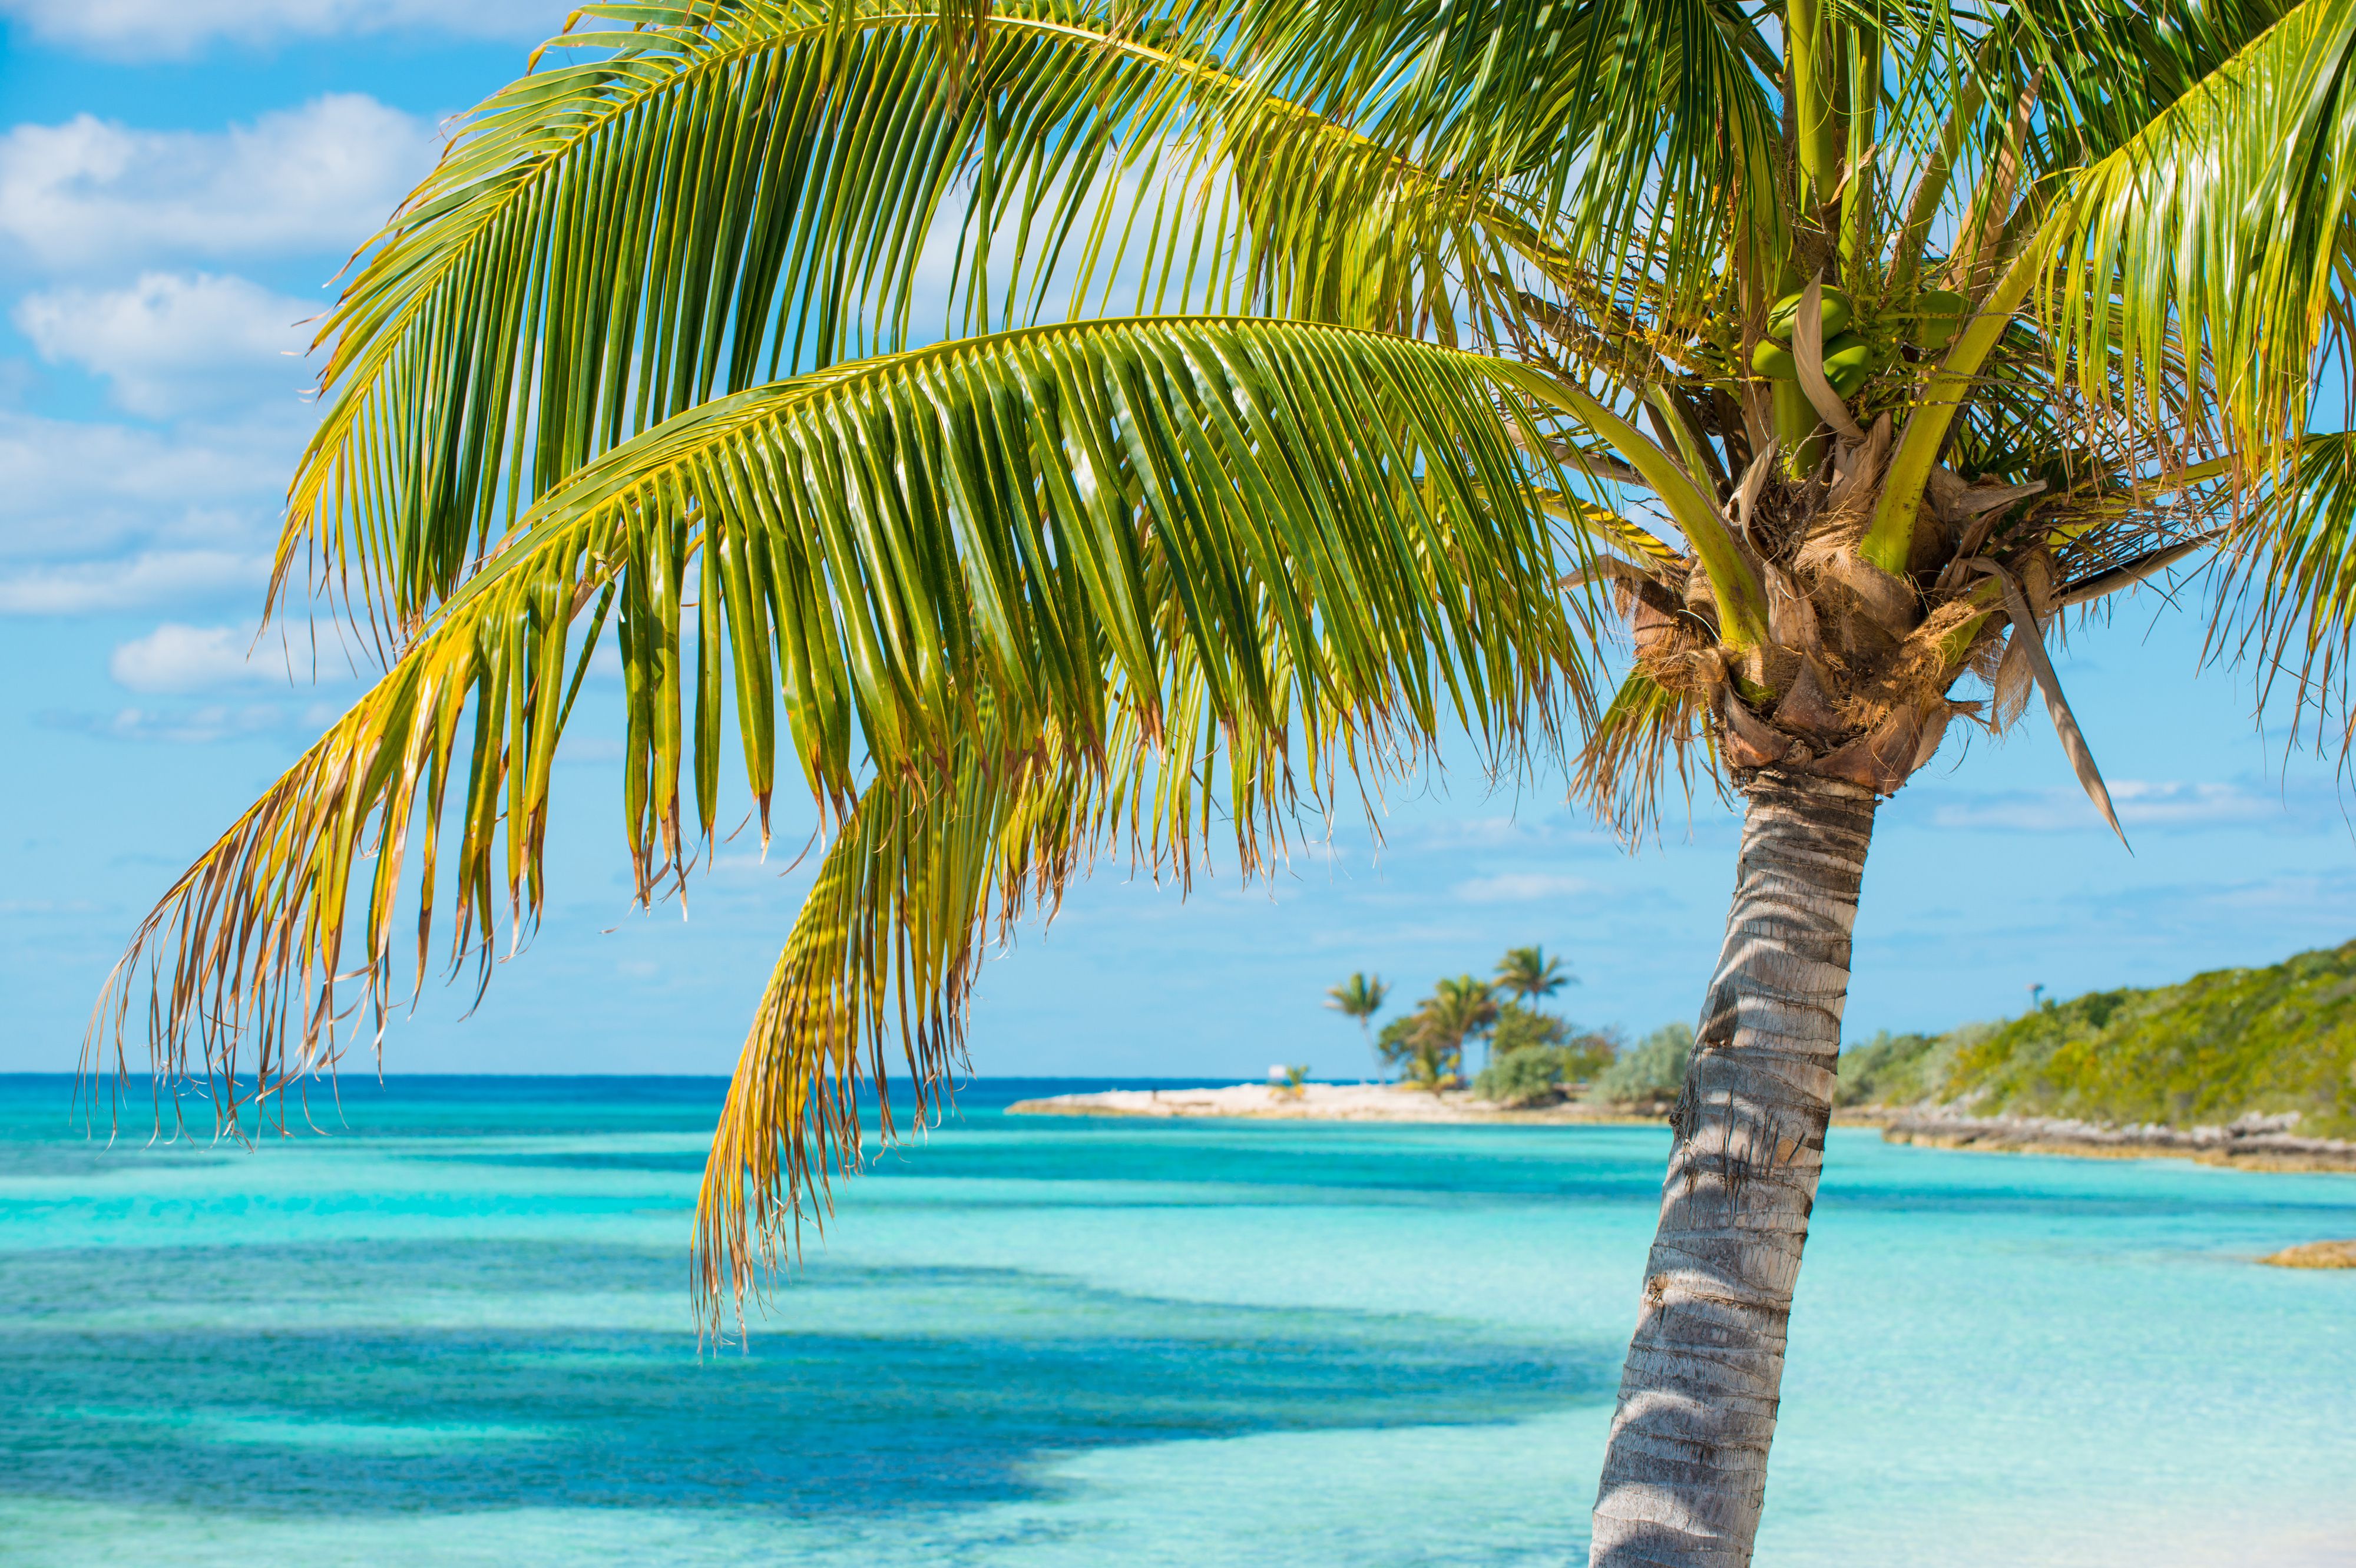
(1853, 358)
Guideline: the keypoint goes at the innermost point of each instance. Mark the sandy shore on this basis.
(2257, 1145)
(1317, 1103)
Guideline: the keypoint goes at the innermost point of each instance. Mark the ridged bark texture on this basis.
(1685, 1473)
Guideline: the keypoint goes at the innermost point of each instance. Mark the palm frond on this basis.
(1047, 523)
(731, 193)
(2223, 224)
(2103, 70)
(2289, 580)
(883, 954)
(735, 192)
(1646, 733)
(1597, 119)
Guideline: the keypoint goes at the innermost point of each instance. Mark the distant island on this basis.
(2248, 1067)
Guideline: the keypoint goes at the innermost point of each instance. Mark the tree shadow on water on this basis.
(868, 1391)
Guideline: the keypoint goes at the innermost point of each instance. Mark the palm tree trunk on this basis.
(1686, 1469)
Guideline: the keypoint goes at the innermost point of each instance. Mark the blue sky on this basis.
(179, 181)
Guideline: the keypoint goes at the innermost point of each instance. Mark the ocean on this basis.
(457, 1329)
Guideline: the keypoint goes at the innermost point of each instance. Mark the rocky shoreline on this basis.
(2254, 1143)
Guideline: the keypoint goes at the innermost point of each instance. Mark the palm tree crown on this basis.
(1528, 974)
(1360, 997)
(1042, 429)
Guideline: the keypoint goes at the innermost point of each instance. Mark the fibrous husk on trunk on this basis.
(1650, 611)
(1808, 708)
(1852, 680)
(1882, 759)
(1747, 740)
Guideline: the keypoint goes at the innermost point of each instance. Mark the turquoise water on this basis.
(457, 1332)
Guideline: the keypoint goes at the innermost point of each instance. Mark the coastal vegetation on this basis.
(1651, 1074)
(1360, 997)
(1041, 431)
(2221, 1046)
(1535, 1057)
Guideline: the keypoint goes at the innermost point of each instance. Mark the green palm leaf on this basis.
(1595, 119)
(750, 190)
(2223, 225)
(883, 954)
(1179, 529)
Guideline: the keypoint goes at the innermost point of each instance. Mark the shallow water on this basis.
(457, 1332)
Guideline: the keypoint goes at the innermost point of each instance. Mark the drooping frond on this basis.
(2290, 570)
(1071, 527)
(1646, 733)
(883, 954)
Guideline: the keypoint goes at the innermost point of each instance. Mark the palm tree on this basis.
(1050, 428)
(1360, 997)
(1528, 974)
(1457, 1012)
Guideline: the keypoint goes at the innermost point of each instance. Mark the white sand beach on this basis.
(1314, 1102)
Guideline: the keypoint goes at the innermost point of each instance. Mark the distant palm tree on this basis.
(1360, 997)
(1527, 974)
(1459, 1010)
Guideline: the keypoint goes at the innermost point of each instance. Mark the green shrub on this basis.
(1534, 1075)
(1520, 1028)
(1898, 1069)
(1651, 1072)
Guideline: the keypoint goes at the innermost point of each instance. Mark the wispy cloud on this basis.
(176, 657)
(96, 517)
(200, 725)
(318, 178)
(1522, 887)
(74, 474)
(2155, 804)
(148, 578)
(1482, 832)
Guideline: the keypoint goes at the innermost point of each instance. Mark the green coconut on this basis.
(1850, 361)
(1835, 314)
(1938, 313)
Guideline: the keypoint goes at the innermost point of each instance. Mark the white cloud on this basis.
(63, 464)
(117, 515)
(321, 176)
(147, 29)
(173, 342)
(1522, 887)
(149, 578)
(176, 657)
(2155, 804)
